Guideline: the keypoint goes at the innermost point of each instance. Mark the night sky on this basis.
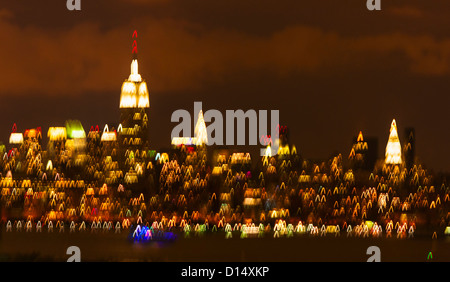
(332, 68)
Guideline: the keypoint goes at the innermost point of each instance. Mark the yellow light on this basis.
(217, 170)
(183, 141)
(393, 147)
(283, 150)
(128, 95)
(134, 91)
(251, 202)
(360, 137)
(240, 158)
(108, 136)
(143, 101)
(57, 133)
(268, 152)
(49, 165)
(447, 230)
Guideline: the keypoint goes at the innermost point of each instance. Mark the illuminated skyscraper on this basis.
(32, 149)
(56, 145)
(76, 142)
(134, 104)
(358, 152)
(364, 152)
(393, 147)
(201, 135)
(132, 132)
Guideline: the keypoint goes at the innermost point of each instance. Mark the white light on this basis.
(108, 136)
(393, 147)
(134, 75)
(200, 130)
(16, 138)
(184, 141)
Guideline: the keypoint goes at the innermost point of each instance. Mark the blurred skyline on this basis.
(332, 68)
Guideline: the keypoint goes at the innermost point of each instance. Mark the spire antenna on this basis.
(134, 75)
(134, 50)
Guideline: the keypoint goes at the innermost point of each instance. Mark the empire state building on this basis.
(134, 105)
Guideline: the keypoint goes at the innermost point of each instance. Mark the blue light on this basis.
(146, 234)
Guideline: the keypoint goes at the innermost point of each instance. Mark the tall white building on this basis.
(393, 147)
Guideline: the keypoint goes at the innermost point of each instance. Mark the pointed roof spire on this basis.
(134, 75)
(201, 133)
(393, 147)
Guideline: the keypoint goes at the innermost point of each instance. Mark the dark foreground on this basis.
(22, 246)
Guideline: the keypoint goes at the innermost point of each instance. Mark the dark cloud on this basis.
(179, 55)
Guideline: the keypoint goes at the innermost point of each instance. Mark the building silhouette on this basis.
(409, 148)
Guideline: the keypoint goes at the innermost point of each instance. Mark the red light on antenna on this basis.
(135, 34)
(134, 47)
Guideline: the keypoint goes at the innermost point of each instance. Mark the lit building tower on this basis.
(364, 152)
(283, 142)
(56, 146)
(358, 152)
(32, 149)
(287, 156)
(133, 128)
(76, 142)
(109, 149)
(134, 104)
(17, 151)
(201, 135)
(393, 147)
(201, 139)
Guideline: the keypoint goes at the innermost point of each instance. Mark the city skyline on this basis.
(239, 131)
(325, 95)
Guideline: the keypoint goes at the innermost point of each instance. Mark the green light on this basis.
(446, 231)
(369, 224)
(75, 129)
